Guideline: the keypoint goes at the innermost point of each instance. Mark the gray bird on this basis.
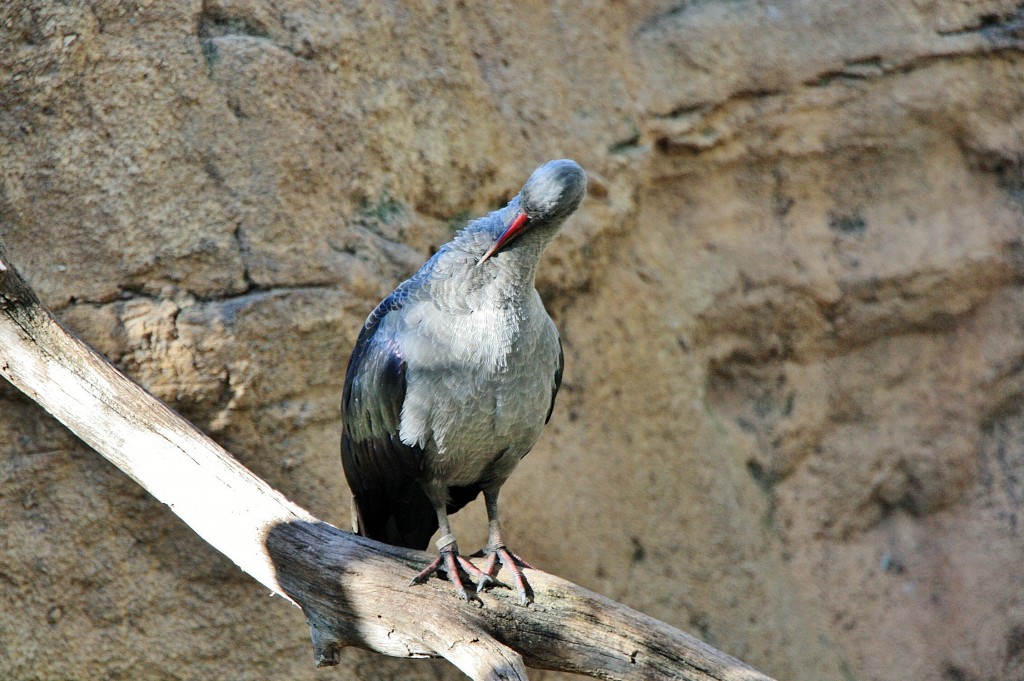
(452, 380)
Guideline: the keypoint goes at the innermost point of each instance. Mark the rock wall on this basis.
(792, 308)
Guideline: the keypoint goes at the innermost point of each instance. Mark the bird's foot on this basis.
(450, 563)
(498, 557)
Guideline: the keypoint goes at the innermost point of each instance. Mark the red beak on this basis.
(513, 230)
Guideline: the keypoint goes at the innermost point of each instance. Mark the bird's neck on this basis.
(513, 276)
(504, 281)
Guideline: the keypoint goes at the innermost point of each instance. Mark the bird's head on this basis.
(552, 193)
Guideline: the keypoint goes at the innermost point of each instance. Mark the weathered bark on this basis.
(354, 591)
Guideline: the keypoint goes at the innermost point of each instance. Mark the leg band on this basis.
(445, 541)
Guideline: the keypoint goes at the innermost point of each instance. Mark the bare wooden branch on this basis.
(353, 591)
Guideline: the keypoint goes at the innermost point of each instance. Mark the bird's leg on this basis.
(449, 560)
(498, 554)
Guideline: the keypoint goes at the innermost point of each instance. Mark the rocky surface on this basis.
(792, 308)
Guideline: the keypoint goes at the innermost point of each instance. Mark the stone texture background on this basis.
(792, 308)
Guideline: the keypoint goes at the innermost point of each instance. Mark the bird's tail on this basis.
(406, 518)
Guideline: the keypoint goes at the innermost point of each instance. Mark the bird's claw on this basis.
(485, 581)
(469, 596)
(450, 563)
(500, 556)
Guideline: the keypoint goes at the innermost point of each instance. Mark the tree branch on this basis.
(353, 591)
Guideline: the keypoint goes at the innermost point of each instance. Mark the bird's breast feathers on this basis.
(479, 382)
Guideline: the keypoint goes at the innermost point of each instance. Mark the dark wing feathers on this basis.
(558, 380)
(382, 471)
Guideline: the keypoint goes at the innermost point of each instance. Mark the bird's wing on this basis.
(382, 471)
(558, 380)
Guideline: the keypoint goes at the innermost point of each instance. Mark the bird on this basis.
(451, 381)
